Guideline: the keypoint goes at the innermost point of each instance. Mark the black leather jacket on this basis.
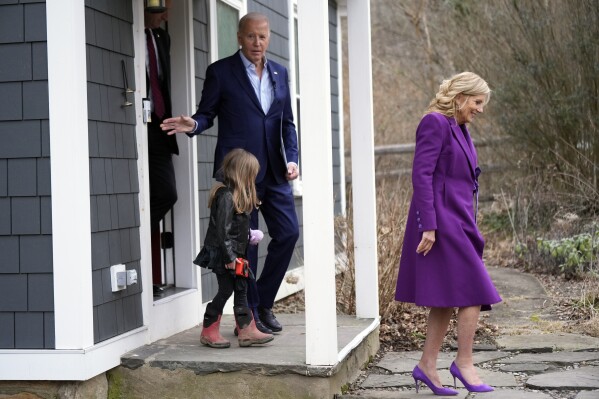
(227, 230)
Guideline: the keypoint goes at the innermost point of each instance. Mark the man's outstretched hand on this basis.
(178, 124)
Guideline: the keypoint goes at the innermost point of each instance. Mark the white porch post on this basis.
(363, 177)
(317, 171)
(69, 163)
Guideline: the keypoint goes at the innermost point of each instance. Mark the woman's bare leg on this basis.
(467, 324)
(438, 322)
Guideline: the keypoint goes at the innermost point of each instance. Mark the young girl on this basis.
(227, 239)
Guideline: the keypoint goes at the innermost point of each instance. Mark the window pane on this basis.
(227, 20)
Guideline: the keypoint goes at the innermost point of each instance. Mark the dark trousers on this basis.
(163, 188)
(163, 191)
(278, 211)
(228, 284)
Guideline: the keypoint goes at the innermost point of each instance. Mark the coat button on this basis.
(419, 226)
(418, 219)
(417, 212)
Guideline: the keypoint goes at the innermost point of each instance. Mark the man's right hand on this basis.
(178, 124)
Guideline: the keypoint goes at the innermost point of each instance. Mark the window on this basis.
(295, 88)
(227, 19)
(224, 17)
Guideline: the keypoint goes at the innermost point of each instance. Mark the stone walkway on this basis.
(526, 364)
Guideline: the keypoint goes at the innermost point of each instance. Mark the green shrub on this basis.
(574, 255)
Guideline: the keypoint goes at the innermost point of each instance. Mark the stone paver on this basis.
(423, 394)
(525, 368)
(548, 342)
(582, 378)
(497, 379)
(523, 296)
(556, 358)
(387, 381)
(587, 395)
(512, 394)
(404, 362)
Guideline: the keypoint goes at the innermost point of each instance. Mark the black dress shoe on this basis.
(269, 319)
(158, 290)
(262, 327)
(259, 325)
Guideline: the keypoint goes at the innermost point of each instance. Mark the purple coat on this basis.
(444, 179)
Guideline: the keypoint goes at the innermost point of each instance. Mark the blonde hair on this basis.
(466, 83)
(239, 171)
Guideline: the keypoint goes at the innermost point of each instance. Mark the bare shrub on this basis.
(541, 58)
(392, 205)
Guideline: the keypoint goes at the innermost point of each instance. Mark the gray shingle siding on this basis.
(7, 330)
(26, 280)
(9, 248)
(29, 330)
(335, 112)
(12, 23)
(277, 13)
(114, 184)
(11, 101)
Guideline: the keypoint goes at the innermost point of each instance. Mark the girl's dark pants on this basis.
(228, 283)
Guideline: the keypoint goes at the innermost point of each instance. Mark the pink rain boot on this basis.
(211, 336)
(248, 334)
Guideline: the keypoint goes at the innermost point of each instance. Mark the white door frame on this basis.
(181, 311)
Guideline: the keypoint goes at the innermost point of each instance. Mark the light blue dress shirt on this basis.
(262, 86)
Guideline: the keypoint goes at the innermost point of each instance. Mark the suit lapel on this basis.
(473, 156)
(277, 86)
(242, 77)
(464, 143)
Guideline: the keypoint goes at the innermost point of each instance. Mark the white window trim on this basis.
(240, 5)
(343, 198)
(296, 185)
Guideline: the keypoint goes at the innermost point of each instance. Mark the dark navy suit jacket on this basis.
(158, 140)
(228, 95)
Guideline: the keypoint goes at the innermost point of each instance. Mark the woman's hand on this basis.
(230, 266)
(426, 244)
(178, 124)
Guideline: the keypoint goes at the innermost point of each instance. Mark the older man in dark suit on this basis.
(250, 96)
(163, 190)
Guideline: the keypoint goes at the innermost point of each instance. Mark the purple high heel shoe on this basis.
(455, 372)
(418, 376)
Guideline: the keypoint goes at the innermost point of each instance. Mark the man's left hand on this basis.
(292, 171)
(178, 124)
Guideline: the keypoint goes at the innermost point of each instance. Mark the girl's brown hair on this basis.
(239, 171)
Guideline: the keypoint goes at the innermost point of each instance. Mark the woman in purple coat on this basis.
(441, 265)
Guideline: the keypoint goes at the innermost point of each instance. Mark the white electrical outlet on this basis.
(131, 277)
(113, 279)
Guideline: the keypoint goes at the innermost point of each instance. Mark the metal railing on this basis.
(402, 149)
